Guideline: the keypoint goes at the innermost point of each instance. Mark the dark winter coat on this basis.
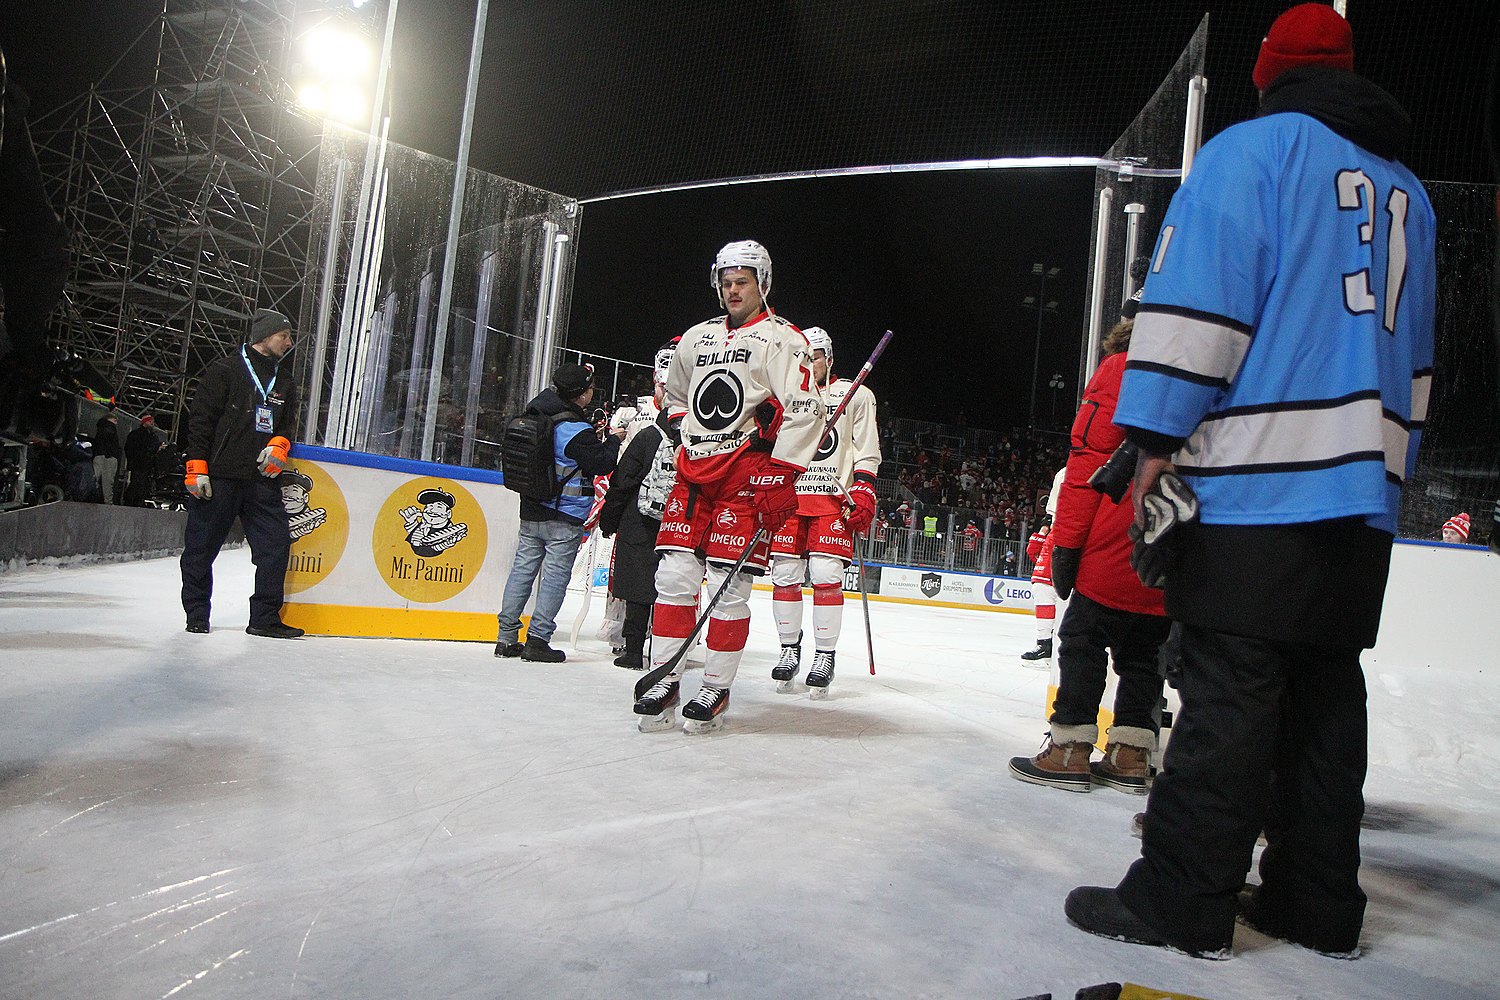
(582, 449)
(634, 532)
(221, 421)
(1086, 519)
(142, 446)
(106, 439)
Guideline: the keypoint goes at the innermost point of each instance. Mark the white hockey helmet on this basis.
(743, 253)
(819, 340)
(663, 361)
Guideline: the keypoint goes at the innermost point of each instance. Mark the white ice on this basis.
(225, 816)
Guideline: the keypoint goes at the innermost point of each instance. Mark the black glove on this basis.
(1065, 570)
(671, 427)
(1169, 503)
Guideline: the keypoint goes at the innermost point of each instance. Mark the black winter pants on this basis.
(1271, 735)
(1089, 632)
(257, 503)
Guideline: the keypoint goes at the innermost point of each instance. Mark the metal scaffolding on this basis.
(188, 201)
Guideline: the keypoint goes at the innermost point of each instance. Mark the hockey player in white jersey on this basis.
(817, 542)
(740, 397)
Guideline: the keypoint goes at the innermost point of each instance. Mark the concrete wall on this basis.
(81, 532)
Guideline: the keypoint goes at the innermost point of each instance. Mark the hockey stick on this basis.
(649, 680)
(588, 590)
(864, 599)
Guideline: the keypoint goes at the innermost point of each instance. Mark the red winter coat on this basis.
(1085, 518)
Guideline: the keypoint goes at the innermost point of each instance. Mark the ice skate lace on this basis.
(658, 691)
(790, 655)
(822, 664)
(706, 696)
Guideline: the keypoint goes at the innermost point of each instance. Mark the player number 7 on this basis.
(1356, 191)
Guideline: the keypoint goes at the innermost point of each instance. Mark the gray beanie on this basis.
(267, 323)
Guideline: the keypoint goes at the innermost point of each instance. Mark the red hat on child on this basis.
(1310, 34)
(1460, 524)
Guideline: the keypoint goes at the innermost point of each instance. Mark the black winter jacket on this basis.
(221, 422)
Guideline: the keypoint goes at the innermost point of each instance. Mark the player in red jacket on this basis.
(1112, 612)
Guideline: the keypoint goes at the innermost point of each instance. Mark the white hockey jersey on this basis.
(852, 445)
(732, 387)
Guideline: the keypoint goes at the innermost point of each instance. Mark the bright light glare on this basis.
(336, 53)
(312, 98)
(348, 106)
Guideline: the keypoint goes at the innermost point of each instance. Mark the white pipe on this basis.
(539, 361)
(1096, 297)
(455, 217)
(559, 245)
(316, 374)
(1133, 213)
(1192, 132)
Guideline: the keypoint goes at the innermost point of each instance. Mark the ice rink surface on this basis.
(231, 817)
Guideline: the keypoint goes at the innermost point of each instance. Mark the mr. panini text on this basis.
(426, 571)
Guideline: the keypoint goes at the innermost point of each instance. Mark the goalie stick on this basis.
(649, 679)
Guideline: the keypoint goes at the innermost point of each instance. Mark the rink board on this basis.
(938, 588)
(395, 548)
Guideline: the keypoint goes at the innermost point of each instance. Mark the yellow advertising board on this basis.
(395, 548)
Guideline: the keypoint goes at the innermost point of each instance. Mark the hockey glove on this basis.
(862, 493)
(1065, 570)
(196, 479)
(775, 494)
(273, 457)
(1167, 505)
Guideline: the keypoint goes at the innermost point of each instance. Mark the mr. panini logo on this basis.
(726, 519)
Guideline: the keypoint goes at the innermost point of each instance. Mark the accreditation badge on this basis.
(263, 419)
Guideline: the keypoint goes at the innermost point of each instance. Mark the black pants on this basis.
(1271, 735)
(637, 626)
(1089, 632)
(257, 503)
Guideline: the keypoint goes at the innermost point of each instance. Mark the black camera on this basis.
(1114, 476)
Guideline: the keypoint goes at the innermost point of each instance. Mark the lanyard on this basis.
(264, 390)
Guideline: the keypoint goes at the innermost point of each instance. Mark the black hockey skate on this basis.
(1043, 651)
(821, 674)
(786, 669)
(658, 706)
(706, 711)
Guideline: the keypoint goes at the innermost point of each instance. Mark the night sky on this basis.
(588, 98)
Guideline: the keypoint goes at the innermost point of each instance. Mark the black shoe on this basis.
(1255, 914)
(1098, 910)
(508, 649)
(277, 631)
(199, 627)
(630, 661)
(1043, 651)
(537, 651)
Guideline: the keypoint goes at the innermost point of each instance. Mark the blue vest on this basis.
(577, 489)
(1286, 327)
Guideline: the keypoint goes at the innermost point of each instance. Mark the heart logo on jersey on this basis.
(828, 445)
(718, 400)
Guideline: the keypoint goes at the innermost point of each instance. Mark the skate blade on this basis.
(658, 723)
(697, 727)
(788, 686)
(817, 694)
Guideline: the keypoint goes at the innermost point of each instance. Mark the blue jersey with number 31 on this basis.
(1285, 330)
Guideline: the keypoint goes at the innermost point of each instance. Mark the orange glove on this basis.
(273, 457)
(196, 479)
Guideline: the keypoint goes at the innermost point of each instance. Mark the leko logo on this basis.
(319, 519)
(430, 539)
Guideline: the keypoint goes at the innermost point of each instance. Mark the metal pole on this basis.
(1192, 133)
(1036, 354)
(541, 364)
(1133, 212)
(316, 374)
(455, 216)
(1096, 297)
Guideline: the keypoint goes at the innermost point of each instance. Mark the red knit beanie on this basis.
(1310, 34)
(1460, 524)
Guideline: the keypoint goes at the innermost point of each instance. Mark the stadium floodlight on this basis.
(336, 61)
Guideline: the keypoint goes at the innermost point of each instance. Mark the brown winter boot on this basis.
(1127, 760)
(1063, 761)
